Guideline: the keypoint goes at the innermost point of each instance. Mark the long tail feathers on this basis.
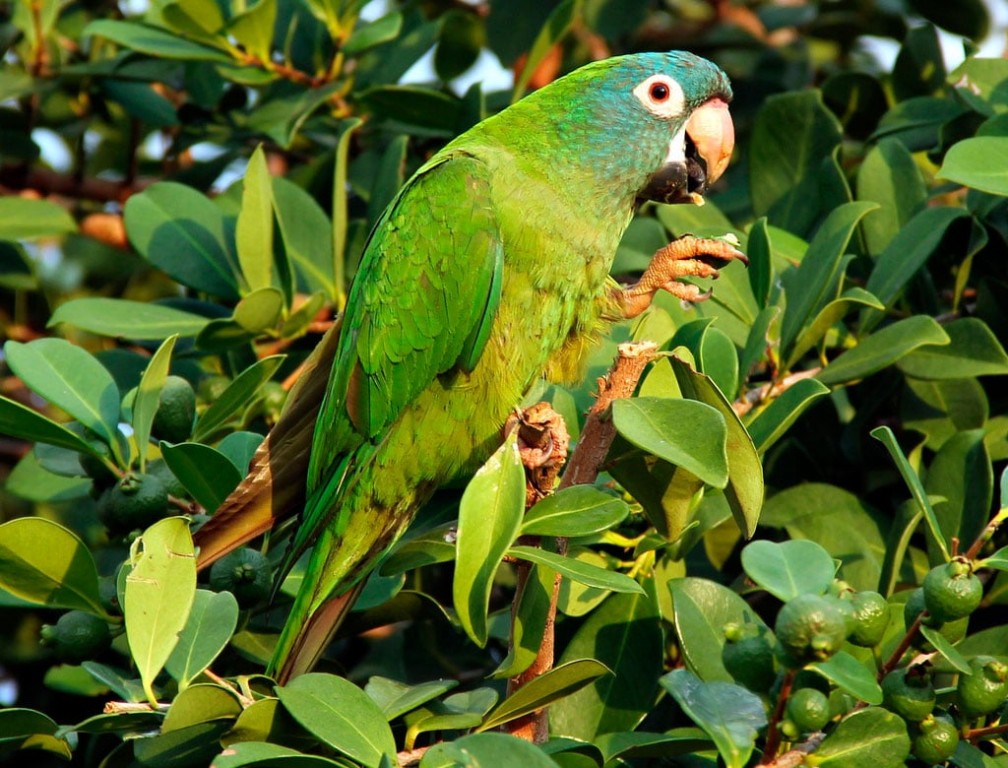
(274, 489)
(297, 654)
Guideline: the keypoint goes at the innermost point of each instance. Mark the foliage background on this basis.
(871, 204)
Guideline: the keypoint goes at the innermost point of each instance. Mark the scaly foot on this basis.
(686, 257)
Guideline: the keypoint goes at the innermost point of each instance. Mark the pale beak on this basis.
(697, 156)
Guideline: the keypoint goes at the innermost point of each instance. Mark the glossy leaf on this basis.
(702, 608)
(961, 474)
(624, 635)
(489, 521)
(555, 684)
(154, 41)
(123, 318)
(576, 570)
(580, 510)
(557, 26)
(980, 162)
(148, 396)
(772, 422)
(70, 378)
(236, 397)
(397, 698)
(873, 736)
(883, 348)
(24, 219)
(973, 350)
(728, 713)
(44, 563)
(890, 177)
(17, 420)
(207, 474)
(827, 318)
(486, 749)
(668, 429)
(212, 621)
(305, 230)
(340, 714)
(159, 593)
(946, 649)
(254, 229)
(264, 753)
(850, 676)
(790, 568)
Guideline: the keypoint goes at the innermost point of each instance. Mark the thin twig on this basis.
(773, 734)
(754, 397)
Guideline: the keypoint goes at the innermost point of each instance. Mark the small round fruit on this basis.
(809, 709)
(909, 693)
(136, 501)
(245, 573)
(271, 402)
(936, 740)
(176, 411)
(160, 469)
(77, 636)
(986, 689)
(952, 591)
(212, 387)
(750, 660)
(871, 618)
(810, 628)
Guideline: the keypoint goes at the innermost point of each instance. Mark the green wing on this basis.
(422, 304)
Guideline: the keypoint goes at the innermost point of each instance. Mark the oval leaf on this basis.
(580, 510)
(790, 568)
(212, 621)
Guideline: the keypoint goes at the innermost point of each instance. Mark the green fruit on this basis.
(952, 591)
(176, 411)
(953, 631)
(909, 693)
(871, 618)
(212, 387)
(750, 660)
(271, 402)
(136, 501)
(77, 636)
(159, 469)
(985, 690)
(245, 573)
(808, 709)
(936, 740)
(109, 594)
(810, 628)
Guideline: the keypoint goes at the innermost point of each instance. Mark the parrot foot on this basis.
(543, 441)
(688, 256)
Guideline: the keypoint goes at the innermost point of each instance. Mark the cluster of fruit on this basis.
(812, 628)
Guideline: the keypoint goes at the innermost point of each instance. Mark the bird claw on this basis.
(688, 256)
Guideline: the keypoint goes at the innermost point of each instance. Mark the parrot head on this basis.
(652, 125)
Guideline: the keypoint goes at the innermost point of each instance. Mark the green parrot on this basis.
(489, 270)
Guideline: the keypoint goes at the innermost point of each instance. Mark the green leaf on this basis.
(885, 436)
(728, 713)
(305, 230)
(456, 712)
(808, 286)
(793, 134)
(70, 378)
(980, 162)
(770, 424)
(702, 608)
(207, 474)
(200, 704)
(559, 23)
(973, 351)
(828, 317)
(259, 311)
(148, 396)
(490, 515)
(890, 177)
(883, 348)
(486, 749)
(907, 252)
(640, 744)
(576, 570)
(236, 397)
(669, 429)
(374, 33)
(44, 563)
(395, 698)
(265, 754)
(760, 271)
(946, 649)
(30, 480)
(744, 490)
(182, 233)
(281, 117)
(529, 615)
(790, 568)
(20, 421)
(123, 318)
(254, 229)
(426, 110)
(541, 691)
(580, 510)
(340, 715)
(850, 676)
(842, 523)
(159, 593)
(25, 219)
(624, 635)
(341, 215)
(212, 621)
(873, 736)
(940, 409)
(962, 475)
(253, 28)
(153, 41)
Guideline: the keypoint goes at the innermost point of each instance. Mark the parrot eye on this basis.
(661, 96)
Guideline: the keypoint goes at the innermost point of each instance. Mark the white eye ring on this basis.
(661, 96)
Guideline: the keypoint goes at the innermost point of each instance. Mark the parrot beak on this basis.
(698, 154)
